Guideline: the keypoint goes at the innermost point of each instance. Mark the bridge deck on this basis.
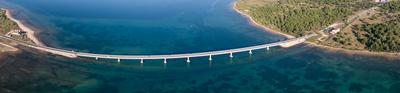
(175, 56)
(169, 56)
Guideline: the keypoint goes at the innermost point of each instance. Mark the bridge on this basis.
(187, 56)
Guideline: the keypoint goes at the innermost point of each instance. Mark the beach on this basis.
(360, 52)
(253, 22)
(30, 32)
(7, 48)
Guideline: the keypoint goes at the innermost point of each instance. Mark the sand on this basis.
(7, 48)
(253, 22)
(30, 32)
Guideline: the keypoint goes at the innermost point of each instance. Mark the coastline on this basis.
(30, 32)
(11, 48)
(347, 51)
(329, 48)
(253, 22)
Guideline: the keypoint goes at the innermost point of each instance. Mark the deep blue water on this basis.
(176, 26)
(140, 26)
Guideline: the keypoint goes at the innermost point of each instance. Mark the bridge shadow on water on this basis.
(287, 70)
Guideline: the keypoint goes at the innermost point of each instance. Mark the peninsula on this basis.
(11, 27)
(354, 25)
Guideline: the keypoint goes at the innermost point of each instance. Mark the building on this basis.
(381, 1)
(332, 30)
(17, 32)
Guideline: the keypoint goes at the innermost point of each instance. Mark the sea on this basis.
(154, 27)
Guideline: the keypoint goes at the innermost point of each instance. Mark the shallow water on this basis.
(140, 26)
(177, 26)
(298, 69)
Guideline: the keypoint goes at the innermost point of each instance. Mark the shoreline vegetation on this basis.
(29, 32)
(246, 14)
(253, 22)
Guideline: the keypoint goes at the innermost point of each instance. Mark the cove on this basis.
(140, 26)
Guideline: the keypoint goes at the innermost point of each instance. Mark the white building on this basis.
(334, 31)
(16, 32)
(381, 1)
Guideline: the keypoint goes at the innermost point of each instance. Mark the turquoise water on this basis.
(298, 69)
(176, 26)
(140, 26)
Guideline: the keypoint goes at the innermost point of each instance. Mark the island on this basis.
(355, 25)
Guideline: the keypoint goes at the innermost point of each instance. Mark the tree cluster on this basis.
(6, 24)
(379, 36)
(296, 17)
(392, 6)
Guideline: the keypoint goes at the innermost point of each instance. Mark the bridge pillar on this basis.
(165, 60)
(210, 58)
(267, 47)
(97, 58)
(141, 61)
(250, 52)
(188, 60)
(231, 55)
(119, 60)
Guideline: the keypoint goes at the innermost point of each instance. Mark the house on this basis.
(381, 1)
(17, 32)
(332, 30)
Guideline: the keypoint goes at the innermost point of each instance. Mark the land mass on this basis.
(354, 25)
(13, 28)
(9, 24)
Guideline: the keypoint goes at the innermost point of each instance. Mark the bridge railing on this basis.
(169, 56)
(201, 54)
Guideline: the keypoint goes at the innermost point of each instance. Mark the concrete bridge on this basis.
(187, 56)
